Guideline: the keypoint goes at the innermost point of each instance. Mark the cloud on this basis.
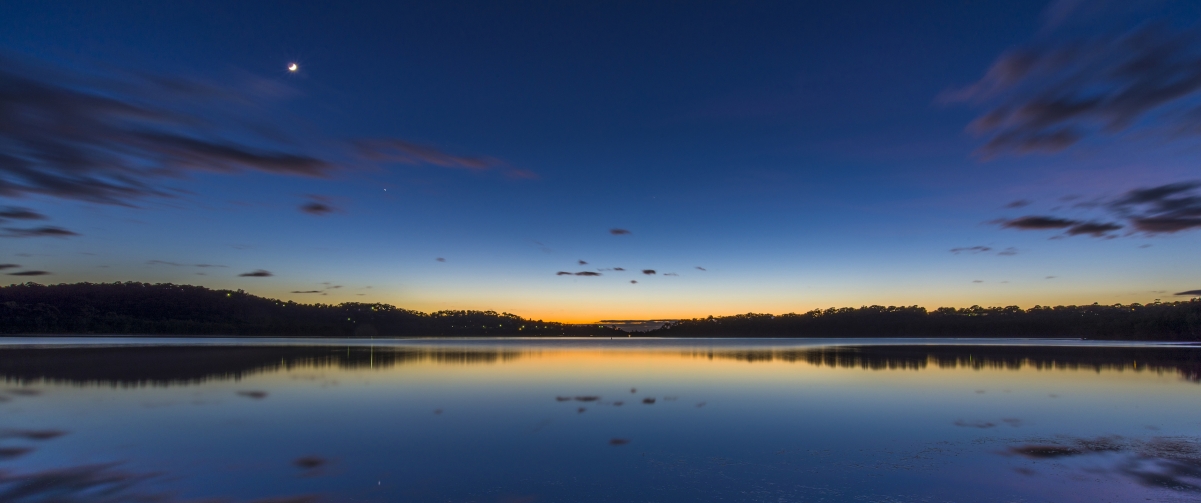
(1054, 94)
(670, 274)
(587, 273)
(1094, 229)
(18, 213)
(406, 152)
(163, 262)
(972, 249)
(1194, 293)
(1038, 223)
(583, 263)
(648, 271)
(8, 266)
(36, 232)
(1020, 203)
(562, 273)
(618, 232)
(1008, 252)
(618, 268)
(701, 268)
(977, 281)
(633, 282)
(440, 259)
(256, 274)
(114, 140)
(315, 208)
(29, 273)
(1164, 209)
(306, 291)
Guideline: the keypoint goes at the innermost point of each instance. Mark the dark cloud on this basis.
(1038, 223)
(8, 266)
(562, 273)
(977, 281)
(440, 259)
(648, 271)
(306, 291)
(163, 262)
(29, 273)
(253, 394)
(972, 249)
(1164, 209)
(255, 274)
(315, 208)
(701, 268)
(670, 274)
(18, 213)
(115, 140)
(633, 282)
(1008, 252)
(618, 268)
(37, 232)
(1194, 293)
(1094, 229)
(210, 265)
(618, 232)
(1020, 203)
(1051, 277)
(1051, 95)
(587, 273)
(583, 263)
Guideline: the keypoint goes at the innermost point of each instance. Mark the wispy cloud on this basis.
(18, 213)
(37, 232)
(619, 232)
(971, 249)
(1053, 94)
(1163, 209)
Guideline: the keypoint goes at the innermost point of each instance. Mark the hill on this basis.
(133, 308)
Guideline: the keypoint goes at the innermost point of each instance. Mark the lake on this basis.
(587, 420)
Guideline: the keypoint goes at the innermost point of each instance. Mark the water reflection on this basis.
(176, 365)
(591, 421)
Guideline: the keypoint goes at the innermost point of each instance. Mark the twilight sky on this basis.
(765, 157)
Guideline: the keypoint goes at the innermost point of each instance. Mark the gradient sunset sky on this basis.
(756, 156)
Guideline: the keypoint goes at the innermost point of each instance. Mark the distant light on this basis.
(293, 67)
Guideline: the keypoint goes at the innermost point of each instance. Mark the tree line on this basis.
(133, 308)
(1169, 321)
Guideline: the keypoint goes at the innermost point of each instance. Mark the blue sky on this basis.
(806, 156)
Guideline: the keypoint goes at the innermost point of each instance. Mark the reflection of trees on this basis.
(159, 365)
(1186, 361)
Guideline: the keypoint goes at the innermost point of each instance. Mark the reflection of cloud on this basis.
(256, 274)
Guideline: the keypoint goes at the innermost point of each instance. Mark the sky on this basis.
(692, 158)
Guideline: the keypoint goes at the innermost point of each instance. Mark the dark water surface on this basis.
(171, 420)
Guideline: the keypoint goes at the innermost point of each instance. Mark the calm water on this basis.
(167, 420)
